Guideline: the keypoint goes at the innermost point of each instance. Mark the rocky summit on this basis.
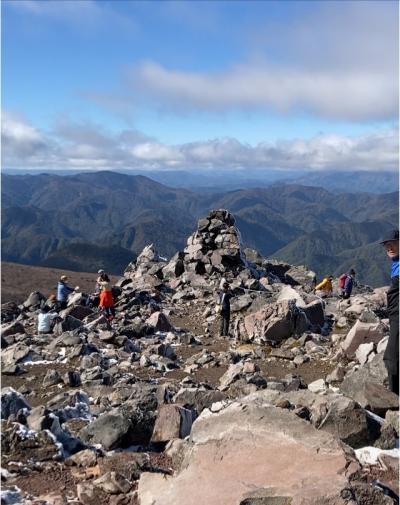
(155, 408)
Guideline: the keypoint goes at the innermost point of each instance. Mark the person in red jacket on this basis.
(106, 298)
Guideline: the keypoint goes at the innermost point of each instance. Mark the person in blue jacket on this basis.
(349, 284)
(63, 291)
(391, 355)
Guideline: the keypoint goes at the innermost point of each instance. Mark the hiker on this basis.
(51, 302)
(225, 309)
(106, 298)
(63, 292)
(93, 300)
(101, 278)
(324, 288)
(391, 355)
(46, 320)
(346, 284)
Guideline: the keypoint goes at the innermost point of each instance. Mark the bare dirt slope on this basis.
(17, 281)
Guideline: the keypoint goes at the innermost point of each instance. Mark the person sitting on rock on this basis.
(391, 355)
(46, 320)
(324, 288)
(63, 292)
(106, 298)
(349, 284)
(51, 302)
(225, 304)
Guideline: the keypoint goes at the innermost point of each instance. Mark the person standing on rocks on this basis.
(225, 304)
(102, 277)
(106, 298)
(63, 291)
(349, 284)
(391, 355)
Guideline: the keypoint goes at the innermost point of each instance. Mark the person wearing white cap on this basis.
(63, 291)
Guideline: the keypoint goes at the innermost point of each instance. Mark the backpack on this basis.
(342, 281)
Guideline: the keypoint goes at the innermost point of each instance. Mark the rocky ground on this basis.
(156, 408)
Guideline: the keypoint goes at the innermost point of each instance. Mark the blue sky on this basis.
(224, 84)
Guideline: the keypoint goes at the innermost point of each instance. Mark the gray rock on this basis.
(362, 333)
(68, 324)
(72, 378)
(159, 322)
(76, 311)
(113, 483)
(111, 430)
(85, 458)
(370, 395)
(275, 322)
(51, 378)
(198, 399)
(173, 421)
(233, 373)
(315, 313)
(12, 402)
(240, 303)
(12, 329)
(34, 300)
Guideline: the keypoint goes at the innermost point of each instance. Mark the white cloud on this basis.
(354, 95)
(338, 61)
(86, 14)
(18, 136)
(87, 145)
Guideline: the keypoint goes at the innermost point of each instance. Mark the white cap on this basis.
(100, 271)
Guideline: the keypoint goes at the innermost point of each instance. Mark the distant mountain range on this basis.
(222, 180)
(91, 220)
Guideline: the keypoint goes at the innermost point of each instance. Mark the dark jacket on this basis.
(225, 300)
(391, 355)
(348, 285)
(393, 297)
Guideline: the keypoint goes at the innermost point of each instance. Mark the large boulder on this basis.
(17, 353)
(370, 395)
(275, 322)
(34, 300)
(111, 430)
(12, 329)
(70, 323)
(159, 322)
(331, 412)
(254, 447)
(315, 313)
(197, 398)
(12, 402)
(173, 421)
(362, 333)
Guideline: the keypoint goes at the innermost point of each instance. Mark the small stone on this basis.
(113, 483)
(317, 386)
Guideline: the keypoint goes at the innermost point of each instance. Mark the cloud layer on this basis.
(88, 146)
(355, 95)
(338, 61)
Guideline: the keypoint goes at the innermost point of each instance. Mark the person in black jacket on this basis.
(391, 355)
(225, 302)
